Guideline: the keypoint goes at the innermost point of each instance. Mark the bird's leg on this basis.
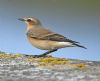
(46, 53)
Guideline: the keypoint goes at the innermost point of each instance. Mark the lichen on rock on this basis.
(18, 67)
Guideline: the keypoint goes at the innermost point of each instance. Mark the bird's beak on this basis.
(21, 19)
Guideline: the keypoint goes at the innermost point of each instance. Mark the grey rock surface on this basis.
(19, 70)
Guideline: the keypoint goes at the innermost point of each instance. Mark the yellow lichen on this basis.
(5, 56)
(44, 61)
(18, 55)
(53, 61)
(80, 66)
(9, 56)
(29, 60)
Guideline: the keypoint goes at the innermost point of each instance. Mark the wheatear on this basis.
(45, 39)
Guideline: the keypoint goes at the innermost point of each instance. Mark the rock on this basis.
(17, 67)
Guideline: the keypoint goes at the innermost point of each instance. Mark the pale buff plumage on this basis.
(45, 39)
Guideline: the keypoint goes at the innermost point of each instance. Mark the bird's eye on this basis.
(29, 20)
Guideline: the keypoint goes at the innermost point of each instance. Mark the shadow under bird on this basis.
(45, 39)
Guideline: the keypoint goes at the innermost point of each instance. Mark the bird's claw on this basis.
(39, 56)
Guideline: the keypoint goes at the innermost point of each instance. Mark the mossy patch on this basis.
(53, 61)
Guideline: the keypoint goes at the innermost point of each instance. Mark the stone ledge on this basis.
(17, 67)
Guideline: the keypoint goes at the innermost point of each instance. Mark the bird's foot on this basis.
(44, 54)
(37, 56)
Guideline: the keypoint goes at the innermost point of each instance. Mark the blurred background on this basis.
(78, 20)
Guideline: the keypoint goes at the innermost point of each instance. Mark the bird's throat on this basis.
(29, 27)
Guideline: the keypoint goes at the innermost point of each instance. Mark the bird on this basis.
(45, 39)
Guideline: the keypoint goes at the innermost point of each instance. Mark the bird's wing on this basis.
(50, 36)
(58, 37)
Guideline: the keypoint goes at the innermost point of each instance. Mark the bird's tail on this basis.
(79, 46)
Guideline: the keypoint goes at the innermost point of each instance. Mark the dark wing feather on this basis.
(58, 37)
(53, 37)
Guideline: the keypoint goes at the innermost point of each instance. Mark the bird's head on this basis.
(30, 21)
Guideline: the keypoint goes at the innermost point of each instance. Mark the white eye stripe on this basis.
(32, 19)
